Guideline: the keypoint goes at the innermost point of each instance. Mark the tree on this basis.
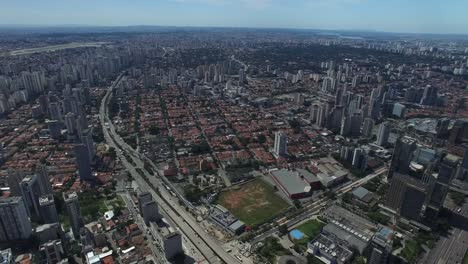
(283, 229)
(153, 130)
(261, 139)
(297, 203)
(111, 152)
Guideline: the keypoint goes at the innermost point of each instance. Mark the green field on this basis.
(310, 229)
(465, 259)
(253, 203)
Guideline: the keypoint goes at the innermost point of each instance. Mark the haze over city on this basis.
(376, 15)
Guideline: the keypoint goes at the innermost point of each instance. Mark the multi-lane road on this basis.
(193, 233)
(451, 248)
(177, 215)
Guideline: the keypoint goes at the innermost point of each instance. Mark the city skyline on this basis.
(362, 15)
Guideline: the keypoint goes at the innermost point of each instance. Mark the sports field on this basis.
(253, 203)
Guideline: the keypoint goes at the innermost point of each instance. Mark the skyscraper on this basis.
(43, 179)
(150, 212)
(70, 123)
(51, 252)
(173, 244)
(241, 76)
(30, 191)
(384, 133)
(14, 179)
(87, 140)
(402, 155)
(83, 162)
(429, 96)
(367, 127)
(74, 212)
(280, 147)
(407, 196)
(47, 209)
(14, 221)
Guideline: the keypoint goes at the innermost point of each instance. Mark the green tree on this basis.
(283, 229)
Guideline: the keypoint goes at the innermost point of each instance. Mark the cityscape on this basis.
(172, 144)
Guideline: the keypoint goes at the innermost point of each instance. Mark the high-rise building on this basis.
(144, 197)
(70, 123)
(384, 133)
(6, 256)
(380, 247)
(51, 252)
(173, 244)
(43, 179)
(150, 212)
(14, 179)
(399, 110)
(367, 127)
(429, 96)
(83, 162)
(54, 128)
(280, 148)
(74, 212)
(241, 76)
(442, 128)
(55, 111)
(14, 220)
(359, 159)
(47, 209)
(31, 191)
(87, 140)
(407, 196)
(402, 155)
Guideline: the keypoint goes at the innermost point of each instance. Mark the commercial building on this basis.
(402, 155)
(407, 196)
(14, 220)
(295, 184)
(328, 171)
(330, 249)
(226, 220)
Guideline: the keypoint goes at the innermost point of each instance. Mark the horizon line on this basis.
(65, 26)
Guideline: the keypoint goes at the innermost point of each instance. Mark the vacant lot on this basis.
(254, 202)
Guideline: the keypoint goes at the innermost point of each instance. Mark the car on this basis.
(458, 210)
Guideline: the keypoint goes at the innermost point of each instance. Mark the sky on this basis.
(406, 16)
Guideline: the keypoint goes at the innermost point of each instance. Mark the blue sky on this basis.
(424, 16)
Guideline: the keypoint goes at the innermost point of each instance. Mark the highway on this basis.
(176, 214)
(451, 248)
